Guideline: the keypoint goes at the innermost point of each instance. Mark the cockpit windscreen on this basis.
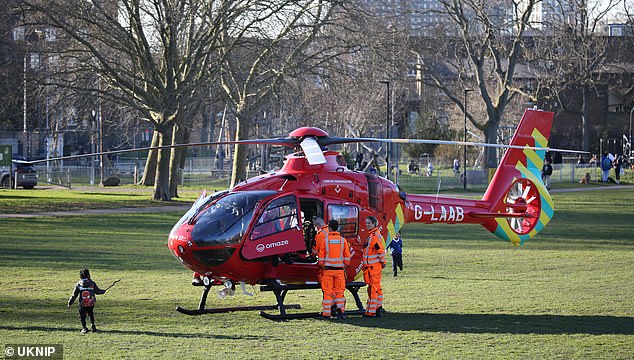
(226, 220)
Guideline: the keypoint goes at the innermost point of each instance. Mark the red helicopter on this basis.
(260, 232)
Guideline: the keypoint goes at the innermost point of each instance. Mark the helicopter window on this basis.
(226, 220)
(279, 215)
(341, 160)
(374, 192)
(348, 218)
(311, 208)
(198, 205)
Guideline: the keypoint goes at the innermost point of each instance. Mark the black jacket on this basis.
(84, 285)
(547, 169)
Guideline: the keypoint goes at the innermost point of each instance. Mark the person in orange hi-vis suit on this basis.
(334, 256)
(322, 231)
(373, 264)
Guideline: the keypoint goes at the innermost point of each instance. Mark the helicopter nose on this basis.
(176, 246)
(180, 243)
(188, 253)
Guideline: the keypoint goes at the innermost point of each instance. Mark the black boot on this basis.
(340, 314)
(333, 311)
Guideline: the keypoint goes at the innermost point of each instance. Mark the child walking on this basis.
(396, 248)
(87, 290)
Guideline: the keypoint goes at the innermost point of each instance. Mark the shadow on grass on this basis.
(133, 332)
(113, 194)
(75, 258)
(503, 323)
(7, 196)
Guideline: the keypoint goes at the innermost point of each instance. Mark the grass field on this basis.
(566, 294)
(44, 199)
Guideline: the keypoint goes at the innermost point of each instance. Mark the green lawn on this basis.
(40, 199)
(566, 294)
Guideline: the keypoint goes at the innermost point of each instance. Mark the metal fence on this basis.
(196, 172)
(200, 172)
(445, 179)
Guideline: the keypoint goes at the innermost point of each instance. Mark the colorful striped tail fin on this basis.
(517, 186)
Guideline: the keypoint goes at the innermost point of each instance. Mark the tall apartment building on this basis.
(421, 16)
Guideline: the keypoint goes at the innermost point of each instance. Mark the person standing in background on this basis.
(396, 248)
(618, 163)
(547, 171)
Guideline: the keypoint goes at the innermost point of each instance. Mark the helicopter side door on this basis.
(276, 231)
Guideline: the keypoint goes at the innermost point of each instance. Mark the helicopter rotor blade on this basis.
(312, 141)
(340, 140)
(355, 134)
(526, 191)
(289, 142)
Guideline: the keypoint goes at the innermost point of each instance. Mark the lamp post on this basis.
(93, 114)
(24, 128)
(96, 115)
(464, 158)
(387, 130)
(632, 110)
(24, 96)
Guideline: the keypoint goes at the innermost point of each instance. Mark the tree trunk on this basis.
(212, 128)
(207, 127)
(161, 180)
(585, 118)
(150, 163)
(177, 155)
(239, 168)
(491, 137)
(182, 155)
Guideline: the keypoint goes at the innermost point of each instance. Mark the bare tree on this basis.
(10, 70)
(577, 54)
(259, 49)
(155, 56)
(480, 51)
(340, 87)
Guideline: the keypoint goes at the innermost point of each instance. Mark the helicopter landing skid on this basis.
(280, 293)
(203, 301)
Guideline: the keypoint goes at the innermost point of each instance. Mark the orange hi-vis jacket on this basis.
(334, 251)
(319, 238)
(373, 261)
(374, 251)
(334, 256)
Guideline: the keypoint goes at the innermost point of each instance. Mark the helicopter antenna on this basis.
(282, 187)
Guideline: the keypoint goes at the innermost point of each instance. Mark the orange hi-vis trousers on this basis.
(372, 277)
(333, 285)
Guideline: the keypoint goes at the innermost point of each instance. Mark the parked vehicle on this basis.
(26, 175)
